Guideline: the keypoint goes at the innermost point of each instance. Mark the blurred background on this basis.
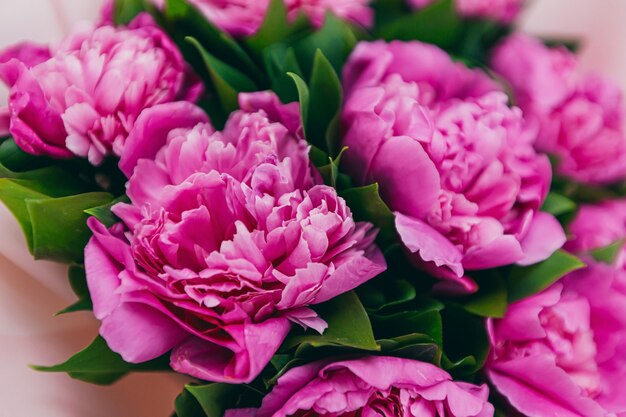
(31, 292)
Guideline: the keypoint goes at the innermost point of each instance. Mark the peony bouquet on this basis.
(329, 207)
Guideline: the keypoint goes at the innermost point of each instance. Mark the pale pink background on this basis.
(30, 292)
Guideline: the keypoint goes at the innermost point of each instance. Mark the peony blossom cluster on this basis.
(563, 352)
(244, 17)
(503, 11)
(83, 96)
(453, 161)
(228, 239)
(371, 386)
(580, 118)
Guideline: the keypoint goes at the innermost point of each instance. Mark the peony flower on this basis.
(597, 226)
(453, 161)
(28, 53)
(227, 240)
(503, 11)
(563, 351)
(371, 386)
(580, 118)
(244, 17)
(85, 98)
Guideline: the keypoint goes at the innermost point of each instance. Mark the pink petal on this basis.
(211, 362)
(159, 334)
(151, 130)
(538, 388)
(409, 181)
(545, 236)
(429, 244)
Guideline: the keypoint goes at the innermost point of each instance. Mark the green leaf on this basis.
(279, 61)
(409, 322)
(304, 96)
(413, 346)
(124, 11)
(526, 281)
(104, 214)
(348, 326)
(227, 80)
(557, 204)
(438, 24)
(187, 406)
(78, 282)
(572, 44)
(183, 19)
(14, 194)
(15, 159)
(98, 364)
(380, 294)
(608, 254)
(331, 175)
(335, 40)
(275, 27)
(491, 300)
(63, 239)
(326, 98)
(367, 205)
(213, 398)
(465, 341)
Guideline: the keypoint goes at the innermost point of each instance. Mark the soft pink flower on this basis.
(504, 11)
(86, 97)
(227, 241)
(244, 17)
(371, 386)
(453, 161)
(580, 118)
(563, 352)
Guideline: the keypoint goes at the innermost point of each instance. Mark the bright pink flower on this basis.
(597, 226)
(371, 386)
(504, 11)
(244, 17)
(86, 97)
(225, 243)
(580, 118)
(107, 12)
(28, 53)
(563, 352)
(453, 161)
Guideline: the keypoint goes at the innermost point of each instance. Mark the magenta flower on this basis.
(85, 98)
(563, 351)
(579, 117)
(244, 17)
(28, 53)
(227, 241)
(597, 226)
(504, 11)
(371, 386)
(453, 161)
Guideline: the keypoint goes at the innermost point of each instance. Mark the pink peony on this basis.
(371, 386)
(244, 17)
(580, 118)
(504, 11)
(563, 352)
(28, 53)
(454, 162)
(85, 98)
(597, 226)
(227, 241)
